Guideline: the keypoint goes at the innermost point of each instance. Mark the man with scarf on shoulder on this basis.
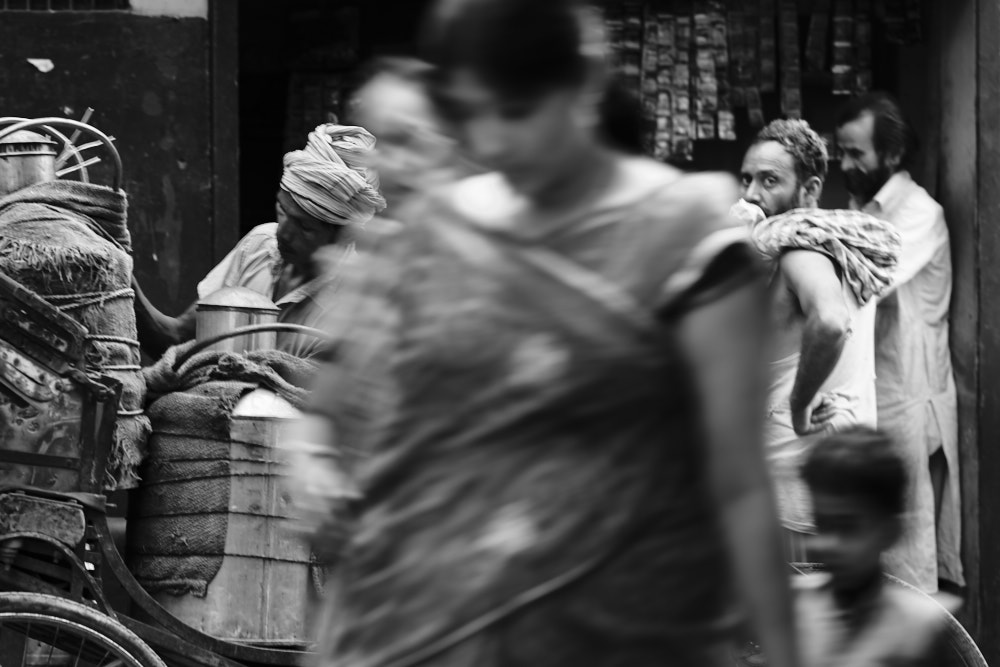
(827, 268)
(326, 190)
(917, 402)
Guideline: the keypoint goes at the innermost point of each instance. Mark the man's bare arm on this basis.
(812, 279)
(157, 331)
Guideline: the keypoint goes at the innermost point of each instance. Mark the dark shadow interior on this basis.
(293, 63)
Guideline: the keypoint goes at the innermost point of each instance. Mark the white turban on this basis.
(328, 179)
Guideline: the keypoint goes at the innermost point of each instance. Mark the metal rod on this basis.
(73, 138)
(85, 120)
(66, 122)
(78, 150)
(200, 346)
(79, 167)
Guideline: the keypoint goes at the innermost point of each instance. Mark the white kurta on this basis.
(916, 388)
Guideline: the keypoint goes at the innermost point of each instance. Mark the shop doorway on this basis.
(295, 60)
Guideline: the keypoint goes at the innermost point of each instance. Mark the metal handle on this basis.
(253, 328)
(50, 124)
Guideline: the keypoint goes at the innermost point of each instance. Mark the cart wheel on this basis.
(43, 630)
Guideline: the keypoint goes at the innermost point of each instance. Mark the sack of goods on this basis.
(68, 242)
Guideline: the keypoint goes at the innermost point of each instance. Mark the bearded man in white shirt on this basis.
(915, 385)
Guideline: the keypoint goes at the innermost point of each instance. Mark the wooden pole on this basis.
(987, 501)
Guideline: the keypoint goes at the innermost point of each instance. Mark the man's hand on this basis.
(827, 413)
(810, 417)
(802, 421)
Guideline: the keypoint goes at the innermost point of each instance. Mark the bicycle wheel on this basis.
(43, 630)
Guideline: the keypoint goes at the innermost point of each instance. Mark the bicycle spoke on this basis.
(52, 647)
(24, 649)
(79, 652)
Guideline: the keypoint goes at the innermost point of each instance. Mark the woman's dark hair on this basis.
(861, 463)
(519, 48)
(893, 135)
(621, 118)
(525, 48)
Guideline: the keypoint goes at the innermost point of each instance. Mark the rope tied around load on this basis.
(85, 299)
(67, 303)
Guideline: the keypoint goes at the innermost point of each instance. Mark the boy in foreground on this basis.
(851, 615)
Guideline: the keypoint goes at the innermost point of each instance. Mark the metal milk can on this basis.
(26, 158)
(232, 308)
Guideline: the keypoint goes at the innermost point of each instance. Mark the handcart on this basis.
(57, 550)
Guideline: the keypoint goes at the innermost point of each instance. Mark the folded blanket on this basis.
(865, 249)
(286, 375)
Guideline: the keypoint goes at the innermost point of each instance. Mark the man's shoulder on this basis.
(261, 241)
(265, 233)
(249, 264)
(807, 263)
(914, 199)
(920, 611)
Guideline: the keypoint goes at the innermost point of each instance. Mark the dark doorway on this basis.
(296, 58)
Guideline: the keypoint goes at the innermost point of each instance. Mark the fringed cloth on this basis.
(69, 243)
(864, 248)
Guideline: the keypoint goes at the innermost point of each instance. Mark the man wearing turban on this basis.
(326, 189)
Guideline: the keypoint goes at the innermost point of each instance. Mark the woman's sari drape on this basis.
(537, 418)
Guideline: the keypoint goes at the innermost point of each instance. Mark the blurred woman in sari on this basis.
(548, 389)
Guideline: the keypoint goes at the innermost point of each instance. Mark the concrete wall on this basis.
(148, 78)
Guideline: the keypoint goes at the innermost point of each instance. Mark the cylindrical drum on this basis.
(210, 537)
(26, 158)
(232, 308)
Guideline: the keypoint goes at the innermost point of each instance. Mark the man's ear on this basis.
(892, 161)
(814, 187)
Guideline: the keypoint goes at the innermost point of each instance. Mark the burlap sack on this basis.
(179, 520)
(69, 243)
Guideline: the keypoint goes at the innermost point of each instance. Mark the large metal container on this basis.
(232, 308)
(261, 592)
(26, 158)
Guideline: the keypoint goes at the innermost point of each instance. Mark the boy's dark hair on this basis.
(893, 133)
(859, 462)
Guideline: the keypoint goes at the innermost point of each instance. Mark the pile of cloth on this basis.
(69, 243)
(864, 248)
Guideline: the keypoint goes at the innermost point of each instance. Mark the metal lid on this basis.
(264, 404)
(241, 298)
(24, 142)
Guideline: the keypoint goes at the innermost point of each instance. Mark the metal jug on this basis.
(26, 158)
(233, 308)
